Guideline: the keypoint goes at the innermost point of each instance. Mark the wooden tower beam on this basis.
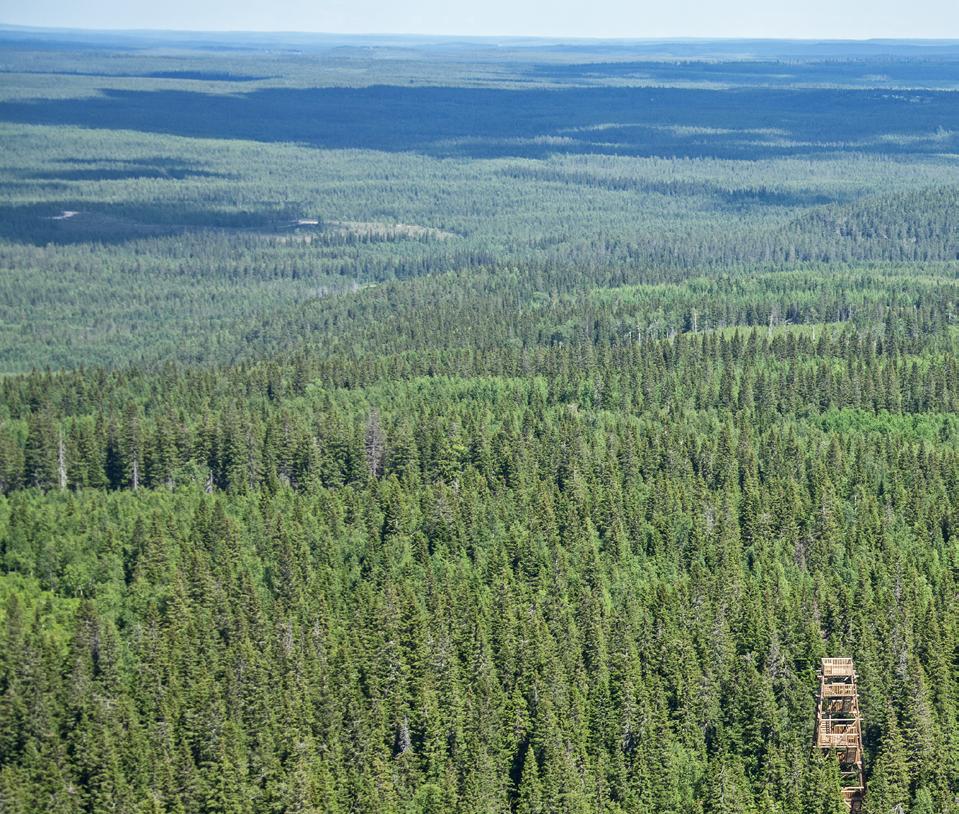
(839, 726)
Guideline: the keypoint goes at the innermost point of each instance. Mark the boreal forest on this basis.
(399, 426)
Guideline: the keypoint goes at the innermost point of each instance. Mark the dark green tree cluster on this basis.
(603, 585)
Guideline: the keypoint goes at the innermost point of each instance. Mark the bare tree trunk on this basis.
(61, 461)
(403, 742)
(136, 473)
(374, 444)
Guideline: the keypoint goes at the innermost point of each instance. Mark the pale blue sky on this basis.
(833, 19)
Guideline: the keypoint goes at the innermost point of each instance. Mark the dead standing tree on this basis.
(61, 462)
(374, 444)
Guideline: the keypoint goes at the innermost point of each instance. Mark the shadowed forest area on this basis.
(415, 426)
(734, 123)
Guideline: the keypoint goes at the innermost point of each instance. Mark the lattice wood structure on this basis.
(839, 726)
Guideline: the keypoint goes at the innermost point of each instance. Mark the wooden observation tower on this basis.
(839, 726)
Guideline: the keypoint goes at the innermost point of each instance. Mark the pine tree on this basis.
(889, 779)
(40, 452)
(530, 794)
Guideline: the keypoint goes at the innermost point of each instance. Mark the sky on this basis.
(800, 19)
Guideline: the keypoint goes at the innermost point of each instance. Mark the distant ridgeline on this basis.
(185, 159)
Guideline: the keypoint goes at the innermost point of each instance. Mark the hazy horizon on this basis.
(467, 36)
(855, 20)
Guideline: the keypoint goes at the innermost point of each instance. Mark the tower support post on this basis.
(839, 726)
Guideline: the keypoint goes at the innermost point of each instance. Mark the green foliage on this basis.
(522, 481)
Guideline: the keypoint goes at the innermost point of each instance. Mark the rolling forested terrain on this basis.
(390, 425)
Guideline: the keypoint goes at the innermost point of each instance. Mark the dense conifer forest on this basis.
(410, 427)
